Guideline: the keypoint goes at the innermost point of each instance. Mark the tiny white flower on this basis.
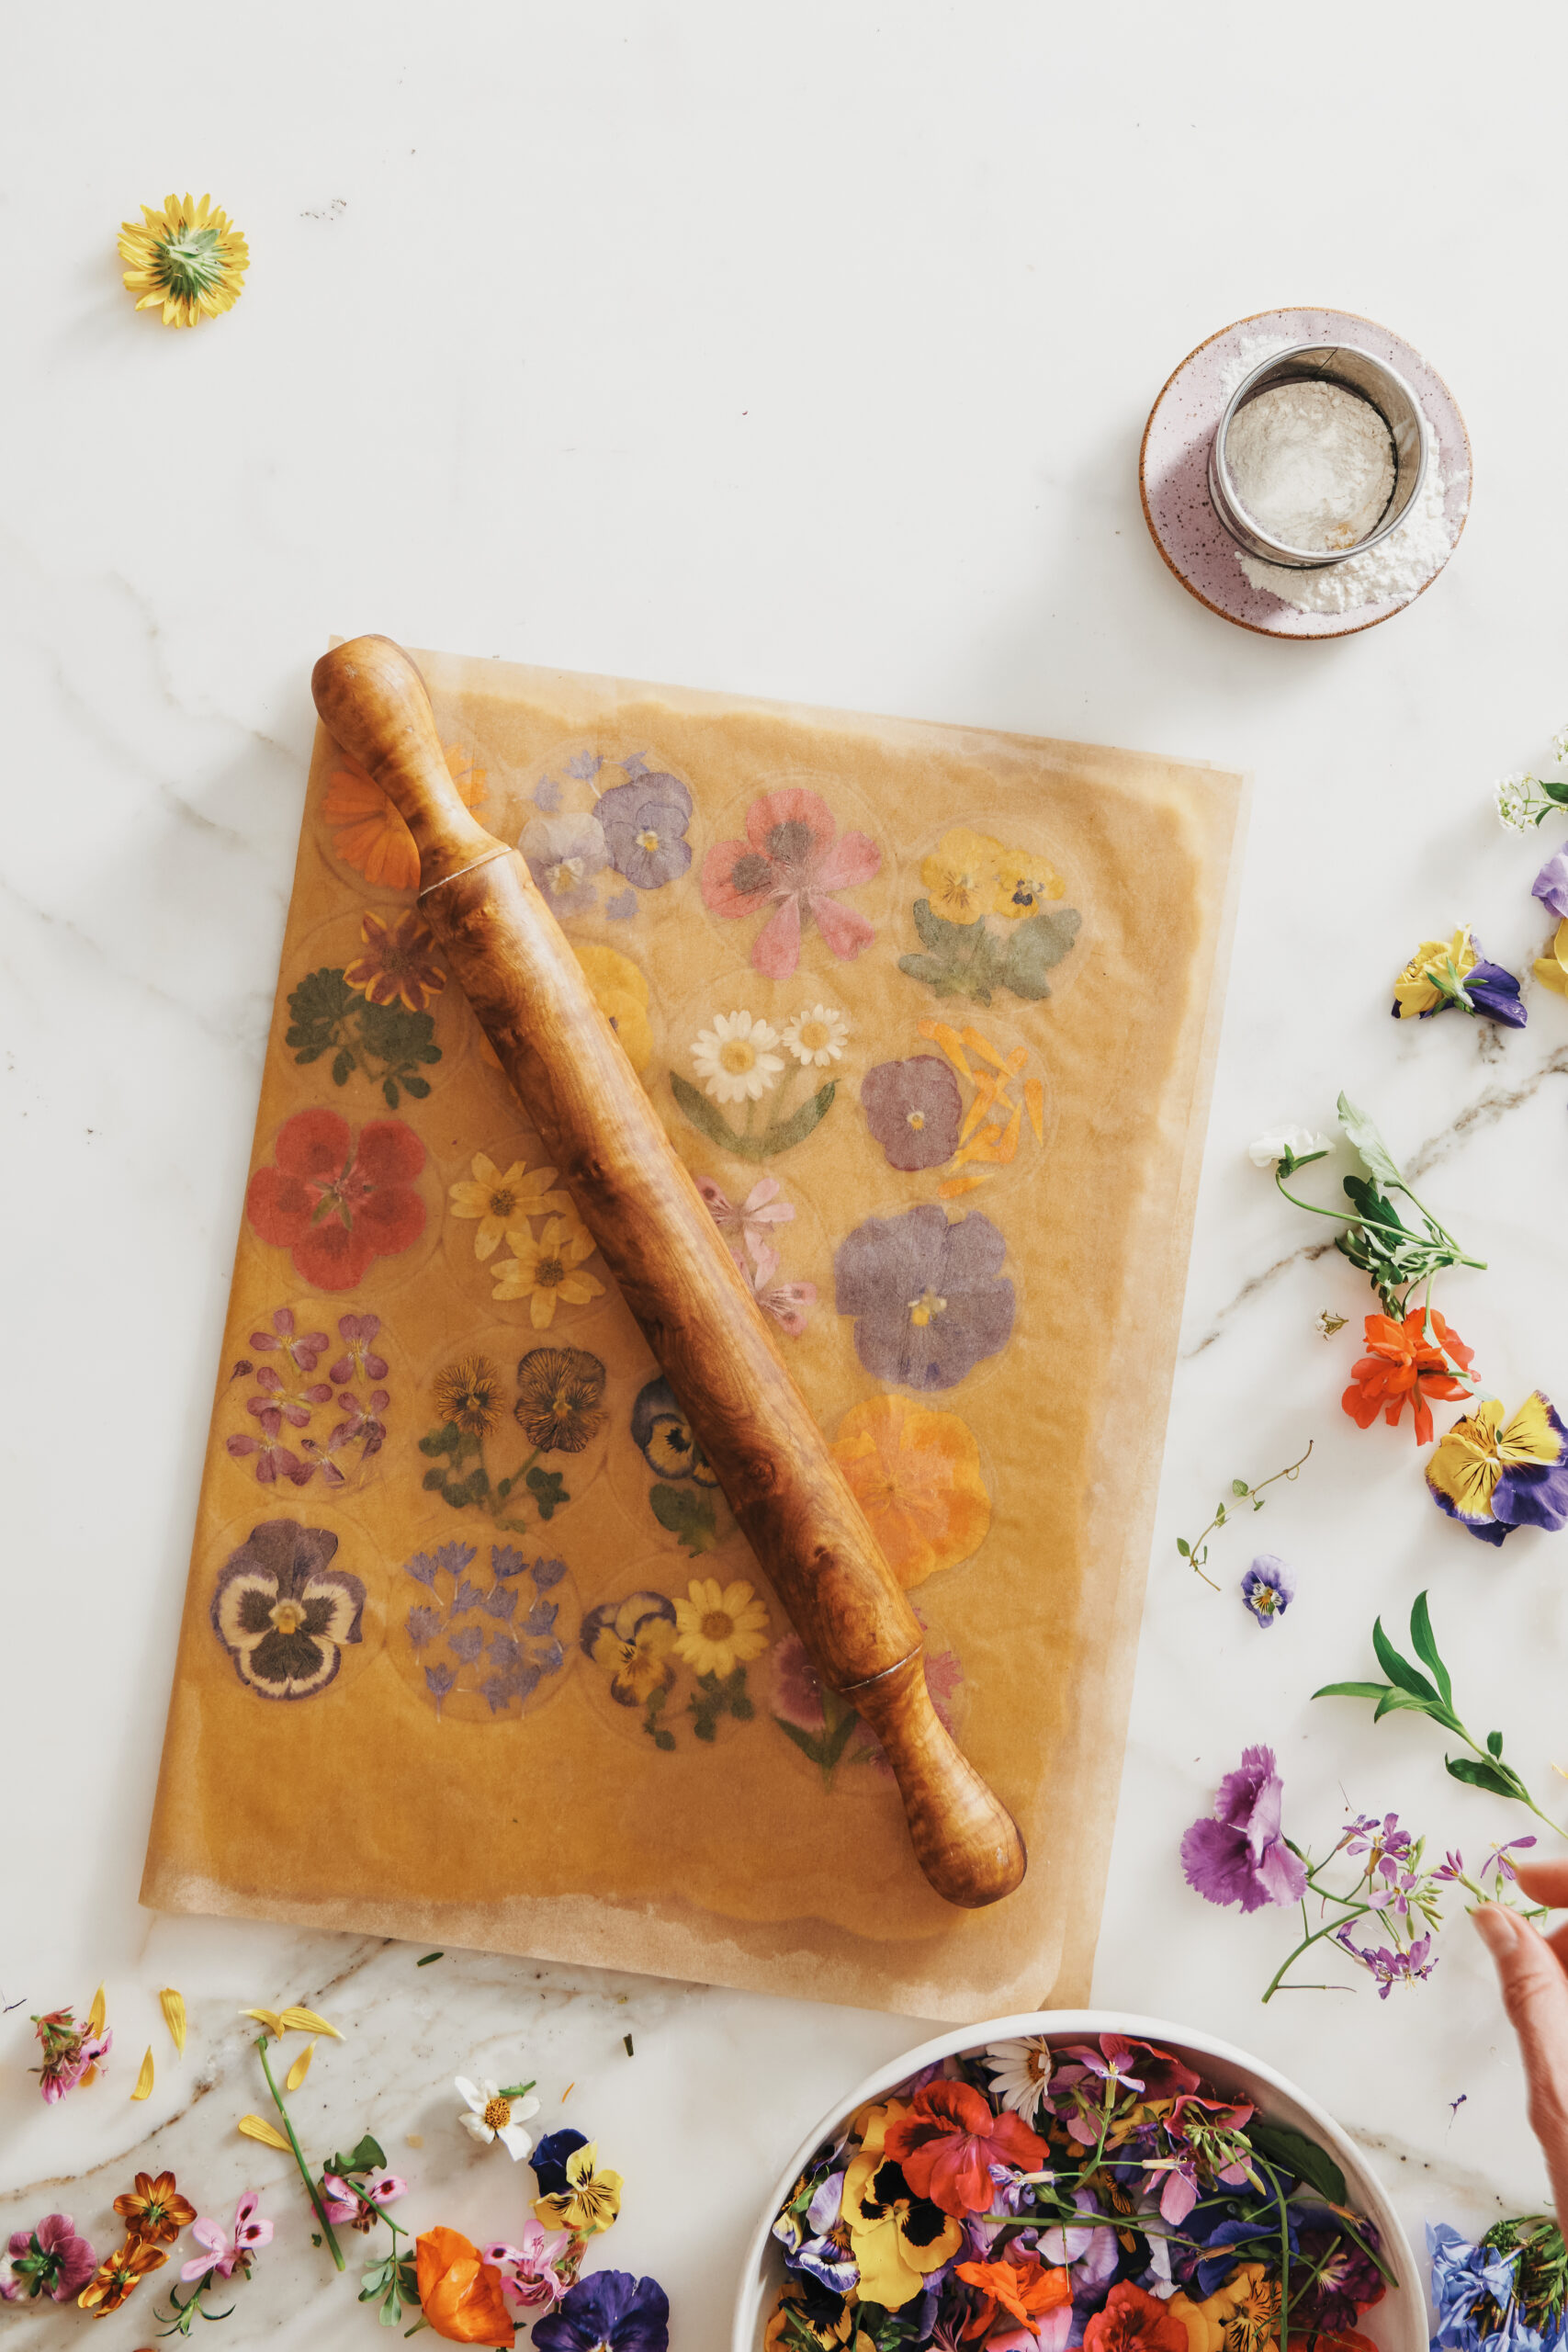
(1560, 745)
(817, 1036)
(1297, 1143)
(735, 1059)
(494, 2114)
(1512, 794)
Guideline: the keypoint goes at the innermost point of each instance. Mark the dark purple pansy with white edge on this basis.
(283, 1613)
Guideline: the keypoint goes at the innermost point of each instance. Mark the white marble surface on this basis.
(805, 353)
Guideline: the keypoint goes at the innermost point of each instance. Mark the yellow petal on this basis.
(95, 2014)
(299, 2020)
(173, 2004)
(269, 2018)
(301, 2068)
(144, 2079)
(256, 2127)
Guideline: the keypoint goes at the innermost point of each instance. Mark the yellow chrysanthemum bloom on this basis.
(963, 875)
(188, 257)
(1415, 991)
(1553, 970)
(548, 1268)
(1024, 883)
(718, 1628)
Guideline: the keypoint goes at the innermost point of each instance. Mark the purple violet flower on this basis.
(1268, 1588)
(913, 1109)
(644, 823)
(928, 1298)
(357, 1332)
(607, 2312)
(564, 854)
(1387, 1968)
(1240, 1856)
(1550, 884)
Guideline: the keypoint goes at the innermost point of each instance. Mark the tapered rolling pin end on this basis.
(375, 706)
(965, 1841)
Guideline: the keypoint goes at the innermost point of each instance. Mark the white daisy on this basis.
(491, 2113)
(735, 1059)
(817, 1037)
(1020, 2073)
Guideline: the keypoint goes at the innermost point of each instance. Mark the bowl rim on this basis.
(1132, 2027)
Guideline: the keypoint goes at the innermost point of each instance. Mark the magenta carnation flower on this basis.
(1240, 1856)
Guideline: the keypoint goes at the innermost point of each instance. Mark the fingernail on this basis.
(1495, 1928)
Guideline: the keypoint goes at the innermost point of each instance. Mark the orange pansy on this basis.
(368, 833)
(916, 1475)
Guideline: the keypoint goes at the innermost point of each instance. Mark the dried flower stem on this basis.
(1197, 1553)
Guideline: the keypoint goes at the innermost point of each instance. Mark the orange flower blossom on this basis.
(1405, 1362)
(460, 2293)
(1026, 2290)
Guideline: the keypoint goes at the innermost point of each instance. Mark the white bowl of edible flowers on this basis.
(1077, 2178)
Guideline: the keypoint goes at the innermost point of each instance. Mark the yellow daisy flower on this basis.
(963, 875)
(548, 1268)
(504, 1202)
(1552, 969)
(718, 1628)
(188, 257)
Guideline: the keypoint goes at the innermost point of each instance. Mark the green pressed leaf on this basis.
(1497, 1779)
(343, 1065)
(1294, 2151)
(1399, 1669)
(806, 1741)
(418, 1087)
(785, 1134)
(1368, 1145)
(390, 1091)
(704, 1113)
(1423, 1642)
(953, 942)
(686, 1514)
(548, 1490)
(1035, 947)
(431, 1480)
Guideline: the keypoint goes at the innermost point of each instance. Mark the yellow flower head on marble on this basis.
(1552, 969)
(1469, 1459)
(188, 258)
(1417, 990)
(590, 2200)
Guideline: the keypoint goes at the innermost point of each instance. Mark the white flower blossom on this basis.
(493, 2113)
(1560, 745)
(1285, 1143)
(1512, 794)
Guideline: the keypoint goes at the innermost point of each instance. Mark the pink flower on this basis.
(797, 1692)
(790, 861)
(760, 1207)
(224, 2256)
(360, 1359)
(301, 1347)
(538, 2272)
(785, 1301)
(346, 2200)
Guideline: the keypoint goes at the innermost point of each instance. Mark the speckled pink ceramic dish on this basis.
(1173, 468)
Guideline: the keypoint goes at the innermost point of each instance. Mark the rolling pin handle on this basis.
(377, 708)
(965, 1841)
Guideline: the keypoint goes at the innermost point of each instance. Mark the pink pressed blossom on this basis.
(301, 1347)
(293, 1401)
(273, 1461)
(790, 861)
(360, 1359)
(346, 2200)
(538, 2272)
(224, 2256)
(762, 1207)
(785, 1301)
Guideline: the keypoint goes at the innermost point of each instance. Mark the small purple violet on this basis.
(1268, 1588)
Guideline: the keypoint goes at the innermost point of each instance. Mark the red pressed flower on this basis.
(1132, 2320)
(1025, 2290)
(949, 2138)
(1404, 1363)
(337, 1201)
(789, 860)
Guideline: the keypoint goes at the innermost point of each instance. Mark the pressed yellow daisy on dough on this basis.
(503, 1201)
(189, 258)
(547, 1269)
(718, 1628)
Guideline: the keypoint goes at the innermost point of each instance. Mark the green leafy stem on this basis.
(453, 1448)
(826, 1748)
(1394, 1256)
(1196, 1554)
(387, 1044)
(971, 959)
(751, 1142)
(1409, 1691)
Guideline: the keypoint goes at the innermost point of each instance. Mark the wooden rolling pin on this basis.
(573, 1081)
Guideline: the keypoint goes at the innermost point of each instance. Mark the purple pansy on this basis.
(1343, 2281)
(607, 2312)
(913, 1109)
(1268, 1588)
(1550, 884)
(928, 1298)
(563, 854)
(644, 822)
(48, 2259)
(549, 2159)
(1240, 1854)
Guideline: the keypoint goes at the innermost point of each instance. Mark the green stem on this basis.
(311, 2189)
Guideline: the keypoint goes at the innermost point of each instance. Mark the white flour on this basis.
(1312, 464)
(1397, 566)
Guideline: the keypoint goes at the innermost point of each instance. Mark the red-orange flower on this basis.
(1132, 2320)
(368, 833)
(459, 2293)
(1026, 2290)
(1405, 1362)
(949, 2141)
(396, 963)
(337, 1200)
(155, 2210)
(118, 2274)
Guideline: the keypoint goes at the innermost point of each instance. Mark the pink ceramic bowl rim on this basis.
(1396, 2324)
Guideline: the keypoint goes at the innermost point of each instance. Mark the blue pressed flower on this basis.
(541, 1619)
(499, 1601)
(1268, 1588)
(504, 1649)
(545, 1573)
(456, 1557)
(546, 795)
(546, 1661)
(439, 1680)
(423, 1625)
(582, 765)
(506, 1560)
(550, 2157)
(467, 1643)
(422, 1568)
(467, 1596)
(607, 2312)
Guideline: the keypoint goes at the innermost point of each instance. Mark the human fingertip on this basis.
(1495, 1927)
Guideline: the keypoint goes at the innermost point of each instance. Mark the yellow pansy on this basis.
(963, 874)
(548, 1268)
(1241, 2317)
(590, 2200)
(621, 993)
(718, 1628)
(1415, 991)
(1553, 970)
(1024, 884)
(1469, 1460)
(898, 2238)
